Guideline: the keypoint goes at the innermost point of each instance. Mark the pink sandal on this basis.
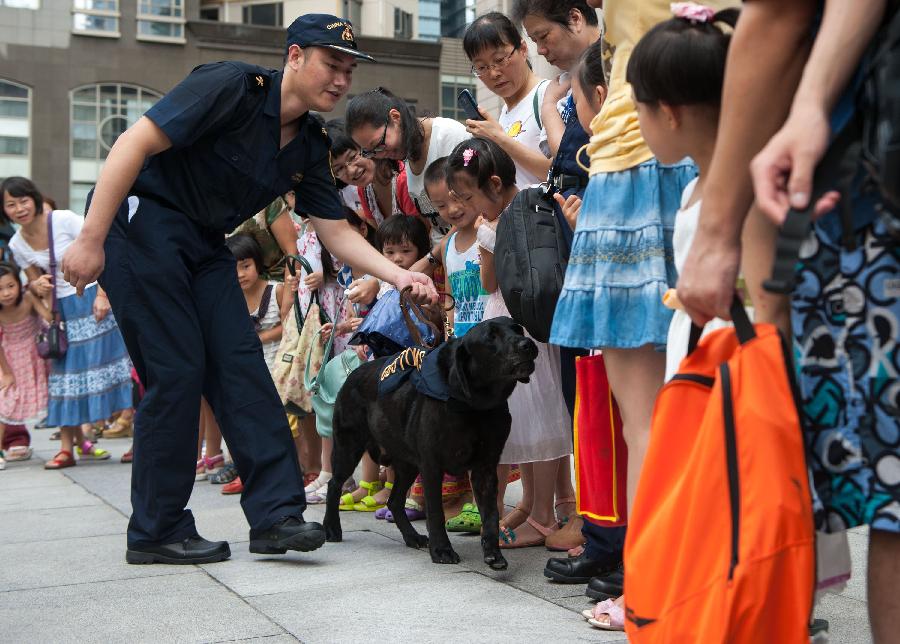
(616, 617)
(599, 609)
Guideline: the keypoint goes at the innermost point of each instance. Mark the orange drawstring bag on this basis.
(720, 545)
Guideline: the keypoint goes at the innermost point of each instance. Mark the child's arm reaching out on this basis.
(38, 305)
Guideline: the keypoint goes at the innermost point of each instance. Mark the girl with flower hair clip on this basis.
(483, 177)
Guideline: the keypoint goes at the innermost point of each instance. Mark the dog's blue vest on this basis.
(420, 367)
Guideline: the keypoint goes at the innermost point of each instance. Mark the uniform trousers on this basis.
(173, 288)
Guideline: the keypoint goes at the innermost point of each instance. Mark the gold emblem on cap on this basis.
(347, 35)
(297, 177)
(260, 81)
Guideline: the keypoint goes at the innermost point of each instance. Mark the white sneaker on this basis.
(2, 462)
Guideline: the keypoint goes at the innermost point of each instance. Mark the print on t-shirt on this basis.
(470, 298)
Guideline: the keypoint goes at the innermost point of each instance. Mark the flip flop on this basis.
(616, 619)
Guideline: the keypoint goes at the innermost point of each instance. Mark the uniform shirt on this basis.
(226, 162)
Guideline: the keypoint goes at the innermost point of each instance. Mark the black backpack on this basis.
(530, 257)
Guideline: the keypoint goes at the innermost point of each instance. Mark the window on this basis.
(15, 129)
(96, 17)
(451, 86)
(353, 12)
(270, 15)
(161, 20)
(210, 12)
(21, 4)
(98, 115)
(402, 24)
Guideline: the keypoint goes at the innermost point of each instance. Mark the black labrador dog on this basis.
(445, 411)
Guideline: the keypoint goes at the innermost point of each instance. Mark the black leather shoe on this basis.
(290, 533)
(576, 570)
(607, 586)
(193, 550)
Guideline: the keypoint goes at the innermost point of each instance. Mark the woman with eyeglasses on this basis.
(376, 188)
(384, 127)
(499, 57)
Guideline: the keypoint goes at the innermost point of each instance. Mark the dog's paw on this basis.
(444, 555)
(333, 534)
(496, 561)
(416, 540)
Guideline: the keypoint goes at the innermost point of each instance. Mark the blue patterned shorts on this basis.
(846, 325)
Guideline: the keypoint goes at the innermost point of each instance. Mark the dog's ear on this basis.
(457, 377)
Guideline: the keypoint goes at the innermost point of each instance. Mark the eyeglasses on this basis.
(379, 147)
(499, 63)
(345, 167)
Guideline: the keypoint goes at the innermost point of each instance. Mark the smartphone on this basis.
(467, 104)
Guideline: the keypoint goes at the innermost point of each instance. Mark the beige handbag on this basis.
(299, 345)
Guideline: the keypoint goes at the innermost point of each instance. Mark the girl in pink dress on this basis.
(23, 381)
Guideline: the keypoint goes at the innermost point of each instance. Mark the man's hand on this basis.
(41, 286)
(7, 380)
(423, 291)
(83, 263)
(101, 307)
(706, 285)
(783, 171)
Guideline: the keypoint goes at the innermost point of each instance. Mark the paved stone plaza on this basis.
(63, 577)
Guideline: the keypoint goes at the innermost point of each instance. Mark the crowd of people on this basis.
(646, 139)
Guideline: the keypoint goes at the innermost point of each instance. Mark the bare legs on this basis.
(884, 578)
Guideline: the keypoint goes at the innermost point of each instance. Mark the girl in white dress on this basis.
(482, 176)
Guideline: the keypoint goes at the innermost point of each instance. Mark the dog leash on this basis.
(410, 308)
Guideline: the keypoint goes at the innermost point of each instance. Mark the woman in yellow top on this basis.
(622, 258)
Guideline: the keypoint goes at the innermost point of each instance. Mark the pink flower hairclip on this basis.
(468, 155)
(696, 13)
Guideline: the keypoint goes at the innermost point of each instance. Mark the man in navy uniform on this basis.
(217, 149)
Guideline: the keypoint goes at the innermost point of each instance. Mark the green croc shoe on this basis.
(468, 520)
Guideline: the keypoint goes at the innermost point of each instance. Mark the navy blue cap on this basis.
(324, 30)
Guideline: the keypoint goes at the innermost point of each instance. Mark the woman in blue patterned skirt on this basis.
(93, 379)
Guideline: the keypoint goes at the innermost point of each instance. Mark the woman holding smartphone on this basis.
(499, 57)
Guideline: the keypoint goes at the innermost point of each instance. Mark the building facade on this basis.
(74, 74)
